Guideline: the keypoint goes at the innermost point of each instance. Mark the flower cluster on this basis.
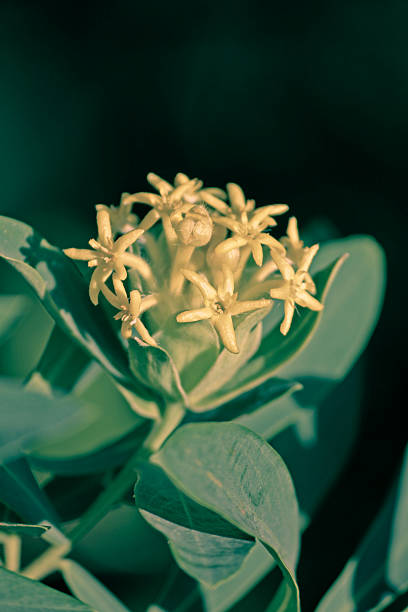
(213, 243)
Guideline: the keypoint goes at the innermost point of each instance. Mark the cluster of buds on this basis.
(214, 243)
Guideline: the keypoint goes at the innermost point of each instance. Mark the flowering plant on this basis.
(230, 338)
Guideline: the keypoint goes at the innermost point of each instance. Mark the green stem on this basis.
(126, 478)
(104, 502)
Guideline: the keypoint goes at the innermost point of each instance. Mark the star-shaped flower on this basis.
(109, 255)
(248, 225)
(121, 217)
(220, 305)
(164, 205)
(130, 309)
(210, 195)
(294, 286)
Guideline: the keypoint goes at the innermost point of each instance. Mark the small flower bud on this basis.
(196, 228)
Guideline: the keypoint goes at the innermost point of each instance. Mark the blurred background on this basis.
(299, 102)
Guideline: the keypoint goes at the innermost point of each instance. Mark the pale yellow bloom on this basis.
(164, 205)
(130, 309)
(109, 255)
(220, 305)
(210, 195)
(294, 286)
(248, 225)
(294, 246)
(121, 217)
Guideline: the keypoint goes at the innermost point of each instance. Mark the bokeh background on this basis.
(299, 102)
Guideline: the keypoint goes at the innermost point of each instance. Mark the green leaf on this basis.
(123, 543)
(222, 597)
(19, 594)
(35, 531)
(111, 456)
(193, 348)
(19, 491)
(12, 310)
(378, 571)
(154, 367)
(61, 364)
(25, 417)
(64, 293)
(112, 419)
(347, 321)
(206, 546)
(248, 334)
(233, 472)
(88, 589)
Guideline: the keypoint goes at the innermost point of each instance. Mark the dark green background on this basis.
(299, 102)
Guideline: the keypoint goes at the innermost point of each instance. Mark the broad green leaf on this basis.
(252, 400)
(13, 308)
(19, 594)
(347, 321)
(108, 457)
(206, 546)
(276, 349)
(233, 472)
(63, 292)
(222, 597)
(35, 531)
(88, 589)
(378, 571)
(123, 543)
(154, 367)
(193, 347)
(248, 333)
(316, 448)
(26, 417)
(61, 364)
(112, 420)
(19, 491)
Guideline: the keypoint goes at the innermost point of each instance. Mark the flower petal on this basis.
(198, 314)
(201, 282)
(287, 321)
(125, 241)
(248, 305)
(104, 228)
(80, 254)
(257, 252)
(308, 301)
(225, 328)
(236, 197)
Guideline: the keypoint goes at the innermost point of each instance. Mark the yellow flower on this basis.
(210, 195)
(248, 225)
(164, 205)
(220, 305)
(294, 286)
(109, 255)
(130, 309)
(121, 217)
(294, 246)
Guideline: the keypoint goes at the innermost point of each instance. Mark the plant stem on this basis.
(124, 480)
(46, 563)
(103, 503)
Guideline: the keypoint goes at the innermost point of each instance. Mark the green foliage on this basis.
(236, 474)
(18, 594)
(275, 428)
(378, 571)
(88, 589)
(63, 292)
